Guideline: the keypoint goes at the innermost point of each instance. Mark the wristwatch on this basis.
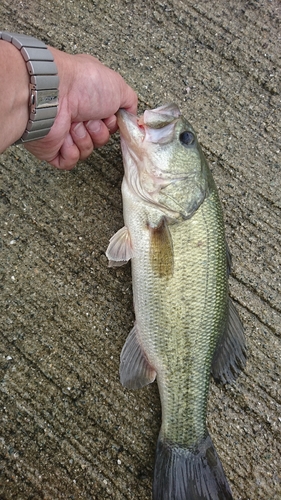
(44, 83)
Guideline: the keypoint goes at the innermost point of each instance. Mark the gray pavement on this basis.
(68, 428)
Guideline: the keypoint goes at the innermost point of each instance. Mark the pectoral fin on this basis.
(230, 355)
(161, 249)
(135, 370)
(119, 250)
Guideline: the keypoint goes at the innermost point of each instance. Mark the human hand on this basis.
(89, 96)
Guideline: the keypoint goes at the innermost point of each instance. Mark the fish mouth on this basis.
(160, 117)
(150, 125)
(129, 127)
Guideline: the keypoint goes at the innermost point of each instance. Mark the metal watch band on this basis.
(44, 83)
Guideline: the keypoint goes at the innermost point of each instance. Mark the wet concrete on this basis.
(68, 429)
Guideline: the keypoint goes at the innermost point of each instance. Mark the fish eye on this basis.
(186, 138)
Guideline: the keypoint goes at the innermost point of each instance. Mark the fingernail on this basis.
(111, 123)
(68, 140)
(79, 130)
(94, 126)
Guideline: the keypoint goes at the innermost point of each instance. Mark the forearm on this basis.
(14, 95)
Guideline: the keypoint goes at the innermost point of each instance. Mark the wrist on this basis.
(43, 84)
(15, 94)
(64, 63)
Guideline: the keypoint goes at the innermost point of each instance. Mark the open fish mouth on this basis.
(154, 125)
(160, 117)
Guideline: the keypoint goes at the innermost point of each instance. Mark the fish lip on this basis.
(129, 126)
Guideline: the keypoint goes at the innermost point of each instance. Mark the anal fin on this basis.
(230, 355)
(135, 370)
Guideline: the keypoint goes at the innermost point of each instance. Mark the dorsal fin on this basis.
(230, 355)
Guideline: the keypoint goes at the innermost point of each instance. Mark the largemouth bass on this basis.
(186, 326)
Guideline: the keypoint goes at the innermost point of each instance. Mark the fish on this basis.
(186, 326)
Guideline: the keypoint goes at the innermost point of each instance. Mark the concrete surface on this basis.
(68, 429)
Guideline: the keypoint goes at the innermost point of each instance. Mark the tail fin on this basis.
(182, 474)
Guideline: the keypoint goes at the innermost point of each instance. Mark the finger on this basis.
(98, 132)
(129, 100)
(68, 155)
(82, 139)
(111, 124)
